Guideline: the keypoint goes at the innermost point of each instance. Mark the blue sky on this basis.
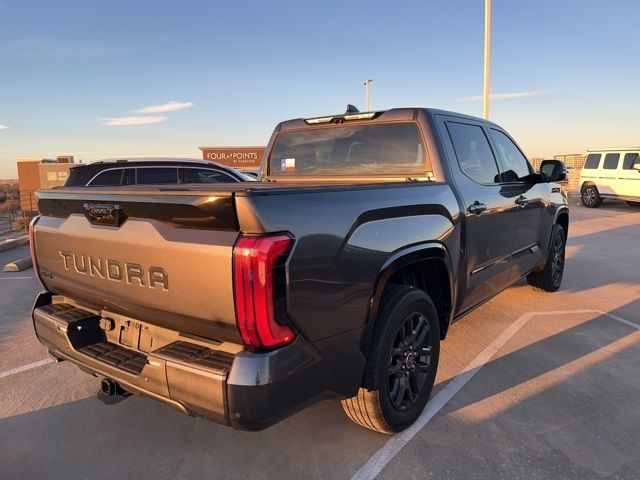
(70, 70)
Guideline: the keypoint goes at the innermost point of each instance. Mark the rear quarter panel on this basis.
(343, 238)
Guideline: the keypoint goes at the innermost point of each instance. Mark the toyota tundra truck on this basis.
(335, 277)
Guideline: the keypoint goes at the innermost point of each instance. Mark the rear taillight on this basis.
(254, 262)
(32, 247)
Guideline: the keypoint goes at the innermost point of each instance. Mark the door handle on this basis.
(477, 207)
(521, 200)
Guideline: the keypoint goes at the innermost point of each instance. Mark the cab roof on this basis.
(391, 115)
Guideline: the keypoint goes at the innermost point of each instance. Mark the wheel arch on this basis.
(562, 218)
(426, 266)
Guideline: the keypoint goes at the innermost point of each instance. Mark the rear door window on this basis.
(205, 175)
(515, 165)
(157, 175)
(592, 161)
(474, 154)
(629, 160)
(611, 161)
(108, 178)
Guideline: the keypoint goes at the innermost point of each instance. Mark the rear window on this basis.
(592, 161)
(157, 176)
(629, 160)
(391, 149)
(611, 161)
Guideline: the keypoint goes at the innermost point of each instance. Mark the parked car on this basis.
(152, 171)
(336, 276)
(611, 173)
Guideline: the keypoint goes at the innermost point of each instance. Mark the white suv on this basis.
(611, 173)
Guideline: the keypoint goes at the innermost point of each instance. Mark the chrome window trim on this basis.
(203, 167)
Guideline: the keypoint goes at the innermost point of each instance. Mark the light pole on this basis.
(487, 58)
(367, 95)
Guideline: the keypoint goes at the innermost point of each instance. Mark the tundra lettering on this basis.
(112, 270)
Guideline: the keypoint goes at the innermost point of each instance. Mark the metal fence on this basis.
(15, 213)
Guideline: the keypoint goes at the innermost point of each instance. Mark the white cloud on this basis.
(126, 121)
(3, 127)
(507, 96)
(165, 107)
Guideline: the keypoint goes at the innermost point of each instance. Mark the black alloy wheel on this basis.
(409, 361)
(549, 278)
(402, 362)
(557, 261)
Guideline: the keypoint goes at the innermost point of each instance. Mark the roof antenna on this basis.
(352, 109)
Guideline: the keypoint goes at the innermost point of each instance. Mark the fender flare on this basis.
(561, 210)
(399, 259)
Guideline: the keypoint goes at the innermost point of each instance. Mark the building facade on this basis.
(40, 173)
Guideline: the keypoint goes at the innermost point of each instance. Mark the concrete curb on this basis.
(13, 243)
(18, 265)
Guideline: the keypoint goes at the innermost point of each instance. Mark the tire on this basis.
(590, 196)
(549, 278)
(633, 204)
(401, 364)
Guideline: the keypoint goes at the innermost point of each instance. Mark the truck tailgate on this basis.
(163, 257)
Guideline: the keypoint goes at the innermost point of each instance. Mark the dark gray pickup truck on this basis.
(336, 276)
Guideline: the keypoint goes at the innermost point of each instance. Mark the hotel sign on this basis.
(236, 157)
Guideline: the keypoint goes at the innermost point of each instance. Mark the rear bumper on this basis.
(246, 390)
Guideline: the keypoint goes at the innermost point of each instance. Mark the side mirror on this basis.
(553, 171)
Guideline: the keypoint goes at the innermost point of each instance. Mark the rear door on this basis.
(488, 205)
(530, 200)
(629, 177)
(589, 172)
(608, 181)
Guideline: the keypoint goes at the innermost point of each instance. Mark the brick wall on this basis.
(28, 182)
(34, 175)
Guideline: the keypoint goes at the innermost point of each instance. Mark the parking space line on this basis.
(620, 319)
(380, 459)
(15, 278)
(26, 367)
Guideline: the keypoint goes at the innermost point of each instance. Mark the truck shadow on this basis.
(141, 438)
(559, 377)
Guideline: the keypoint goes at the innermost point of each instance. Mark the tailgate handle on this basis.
(110, 215)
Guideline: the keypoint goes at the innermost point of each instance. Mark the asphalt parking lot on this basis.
(531, 385)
